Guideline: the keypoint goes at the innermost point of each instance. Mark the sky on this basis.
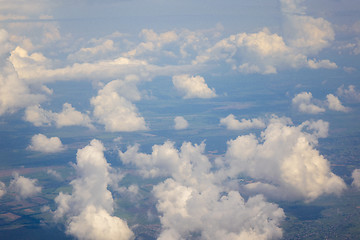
(226, 105)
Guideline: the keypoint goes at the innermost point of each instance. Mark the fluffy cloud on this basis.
(351, 94)
(67, 117)
(356, 178)
(335, 104)
(186, 212)
(89, 207)
(283, 162)
(24, 187)
(266, 53)
(231, 123)
(15, 93)
(116, 111)
(44, 144)
(180, 123)
(192, 203)
(304, 103)
(2, 189)
(304, 33)
(193, 86)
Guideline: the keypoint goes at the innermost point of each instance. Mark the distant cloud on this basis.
(304, 103)
(231, 123)
(87, 210)
(356, 178)
(24, 187)
(180, 123)
(350, 94)
(2, 189)
(41, 143)
(67, 117)
(193, 86)
(116, 111)
(335, 104)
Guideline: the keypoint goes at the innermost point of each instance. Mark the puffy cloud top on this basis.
(284, 162)
(24, 187)
(231, 123)
(44, 144)
(193, 86)
(180, 123)
(116, 111)
(88, 209)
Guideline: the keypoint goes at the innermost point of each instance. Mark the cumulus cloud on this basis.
(15, 93)
(88, 209)
(351, 94)
(2, 189)
(191, 202)
(335, 104)
(113, 108)
(193, 86)
(304, 103)
(267, 53)
(41, 143)
(180, 123)
(356, 178)
(24, 187)
(283, 162)
(231, 123)
(67, 117)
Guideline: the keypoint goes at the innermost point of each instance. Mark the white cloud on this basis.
(116, 111)
(67, 117)
(193, 86)
(24, 187)
(96, 52)
(186, 211)
(304, 33)
(356, 178)
(284, 161)
(191, 202)
(41, 143)
(335, 104)
(350, 93)
(231, 123)
(262, 52)
(180, 123)
(88, 209)
(304, 103)
(2, 189)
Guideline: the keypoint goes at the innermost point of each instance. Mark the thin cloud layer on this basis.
(88, 210)
(41, 143)
(192, 86)
(231, 123)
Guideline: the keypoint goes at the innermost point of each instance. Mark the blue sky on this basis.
(200, 94)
